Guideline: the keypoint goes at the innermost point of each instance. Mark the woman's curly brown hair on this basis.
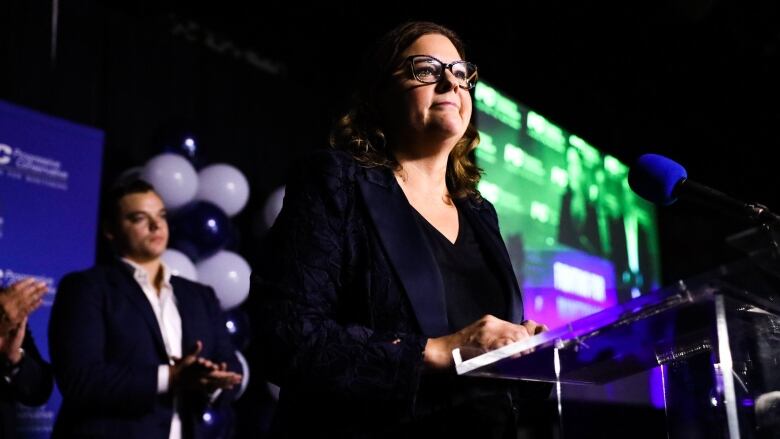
(360, 132)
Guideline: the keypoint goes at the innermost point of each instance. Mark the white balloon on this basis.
(173, 177)
(228, 273)
(180, 264)
(224, 186)
(244, 375)
(273, 205)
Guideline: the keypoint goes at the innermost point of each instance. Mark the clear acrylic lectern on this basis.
(716, 338)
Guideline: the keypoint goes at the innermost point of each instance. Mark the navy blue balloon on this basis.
(199, 230)
(237, 323)
(182, 141)
(216, 423)
(185, 144)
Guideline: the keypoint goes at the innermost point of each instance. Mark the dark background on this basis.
(694, 80)
(690, 79)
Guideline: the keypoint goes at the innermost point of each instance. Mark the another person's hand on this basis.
(11, 346)
(487, 333)
(18, 301)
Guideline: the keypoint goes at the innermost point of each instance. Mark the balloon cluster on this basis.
(201, 198)
(201, 203)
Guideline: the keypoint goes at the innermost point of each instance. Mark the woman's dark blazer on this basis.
(347, 293)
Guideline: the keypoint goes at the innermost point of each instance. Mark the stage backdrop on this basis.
(49, 186)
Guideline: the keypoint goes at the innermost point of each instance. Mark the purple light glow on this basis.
(563, 285)
(656, 385)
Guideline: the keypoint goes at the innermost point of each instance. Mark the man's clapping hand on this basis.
(195, 373)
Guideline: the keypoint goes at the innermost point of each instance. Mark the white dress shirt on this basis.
(169, 319)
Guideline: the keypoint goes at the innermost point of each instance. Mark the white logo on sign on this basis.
(5, 154)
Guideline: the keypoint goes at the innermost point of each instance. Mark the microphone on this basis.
(661, 180)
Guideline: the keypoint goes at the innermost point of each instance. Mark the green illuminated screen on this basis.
(580, 240)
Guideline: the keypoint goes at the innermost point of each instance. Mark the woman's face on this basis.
(421, 113)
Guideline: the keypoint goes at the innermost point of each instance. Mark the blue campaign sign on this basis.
(49, 191)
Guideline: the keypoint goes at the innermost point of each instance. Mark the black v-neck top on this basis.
(472, 287)
(446, 404)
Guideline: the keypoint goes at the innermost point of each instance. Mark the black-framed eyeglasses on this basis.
(429, 70)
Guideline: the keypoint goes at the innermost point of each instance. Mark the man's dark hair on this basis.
(109, 211)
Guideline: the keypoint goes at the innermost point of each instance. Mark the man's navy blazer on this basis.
(106, 346)
(347, 294)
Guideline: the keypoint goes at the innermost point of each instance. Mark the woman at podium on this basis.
(385, 258)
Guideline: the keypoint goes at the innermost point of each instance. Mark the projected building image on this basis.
(580, 240)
